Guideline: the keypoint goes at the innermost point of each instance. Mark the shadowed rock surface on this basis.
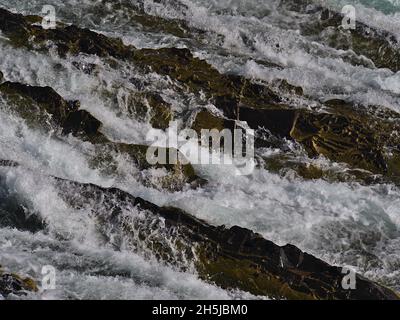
(230, 257)
(233, 258)
(379, 46)
(338, 137)
(13, 284)
(42, 105)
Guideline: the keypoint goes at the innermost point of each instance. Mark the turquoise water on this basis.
(385, 6)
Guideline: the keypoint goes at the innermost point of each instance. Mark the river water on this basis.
(343, 223)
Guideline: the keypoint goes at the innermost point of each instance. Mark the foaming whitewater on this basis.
(342, 223)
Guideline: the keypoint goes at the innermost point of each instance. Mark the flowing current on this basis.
(342, 223)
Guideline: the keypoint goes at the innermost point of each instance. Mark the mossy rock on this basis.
(178, 28)
(206, 120)
(227, 91)
(340, 139)
(150, 106)
(160, 112)
(134, 13)
(291, 166)
(11, 283)
(230, 273)
(357, 139)
(24, 32)
(45, 108)
(234, 258)
(378, 45)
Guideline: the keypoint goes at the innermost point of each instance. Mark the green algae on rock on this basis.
(234, 258)
(179, 64)
(205, 120)
(326, 24)
(13, 284)
(40, 106)
(339, 139)
(151, 107)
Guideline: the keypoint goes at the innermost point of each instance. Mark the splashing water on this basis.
(342, 223)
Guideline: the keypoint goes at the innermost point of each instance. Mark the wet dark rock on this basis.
(155, 24)
(65, 114)
(350, 138)
(278, 121)
(356, 138)
(325, 24)
(8, 163)
(11, 283)
(134, 14)
(87, 68)
(233, 258)
(151, 107)
(291, 166)
(81, 121)
(13, 213)
(37, 104)
(340, 139)
(68, 39)
(179, 64)
(286, 87)
(46, 96)
(204, 119)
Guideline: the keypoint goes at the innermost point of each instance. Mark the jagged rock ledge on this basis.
(365, 142)
(325, 24)
(13, 284)
(232, 258)
(44, 109)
